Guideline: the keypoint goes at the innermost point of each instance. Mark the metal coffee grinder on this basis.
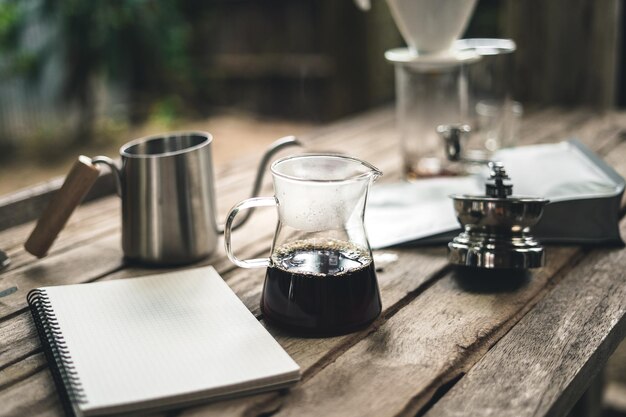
(496, 226)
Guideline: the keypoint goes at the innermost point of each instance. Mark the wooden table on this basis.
(442, 346)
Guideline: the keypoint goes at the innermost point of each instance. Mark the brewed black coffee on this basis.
(321, 288)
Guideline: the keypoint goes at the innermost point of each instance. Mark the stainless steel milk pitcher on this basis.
(168, 199)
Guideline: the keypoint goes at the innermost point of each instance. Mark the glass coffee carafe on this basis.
(320, 277)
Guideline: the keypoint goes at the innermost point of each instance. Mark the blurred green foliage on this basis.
(143, 46)
(10, 17)
(166, 111)
(163, 59)
(17, 61)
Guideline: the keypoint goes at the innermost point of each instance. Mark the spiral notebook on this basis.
(154, 342)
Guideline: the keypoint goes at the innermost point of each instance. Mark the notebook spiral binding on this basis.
(55, 349)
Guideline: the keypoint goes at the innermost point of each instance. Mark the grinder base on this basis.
(495, 251)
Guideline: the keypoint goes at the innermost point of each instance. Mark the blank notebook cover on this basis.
(154, 342)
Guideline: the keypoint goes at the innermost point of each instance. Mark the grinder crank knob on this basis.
(499, 184)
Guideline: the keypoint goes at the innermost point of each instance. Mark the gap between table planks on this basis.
(324, 393)
(233, 185)
(50, 270)
(346, 341)
(233, 179)
(546, 362)
(302, 400)
(66, 266)
(74, 263)
(102, 218)
(12, 353)
(594, 294)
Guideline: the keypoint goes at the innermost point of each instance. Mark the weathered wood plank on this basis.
(316, 354)
(424, 342)
(26, 205)
(309, 351)
(557, 126)
(40, 387)
(396, 281)
(92, 221)
(243, 283)
(22, 370)
(602, 132)
(21, 345)
(250, 297)
(97, 259)
(545, 363)
(19, 340)
(235, 178)
(75, 264)
(588, 136)
(235, 181)
(450, 403)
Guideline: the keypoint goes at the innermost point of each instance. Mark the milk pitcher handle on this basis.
(115, 171)
(77, 183)
(245, 204)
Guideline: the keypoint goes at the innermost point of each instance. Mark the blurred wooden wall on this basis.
(568, 50)
(311, 59)
(323, 59)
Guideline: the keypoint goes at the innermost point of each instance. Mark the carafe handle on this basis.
(245, 204)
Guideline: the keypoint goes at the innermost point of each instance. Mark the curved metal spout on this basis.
(274, 148)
